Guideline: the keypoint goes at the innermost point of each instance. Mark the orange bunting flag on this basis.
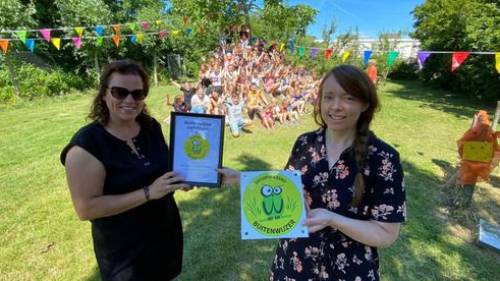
(79, 31)
(497, 58)
(116, 28)
(185, 19)
(4, 44)
(328, 53)
(56, 41)
(116, 40)
(457, 59)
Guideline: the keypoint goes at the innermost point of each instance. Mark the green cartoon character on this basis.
(272, 202)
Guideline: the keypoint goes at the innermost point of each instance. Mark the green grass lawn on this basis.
(42, 239)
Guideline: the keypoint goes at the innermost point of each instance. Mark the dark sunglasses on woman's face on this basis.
(122, 93)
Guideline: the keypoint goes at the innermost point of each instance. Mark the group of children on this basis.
(243, 80)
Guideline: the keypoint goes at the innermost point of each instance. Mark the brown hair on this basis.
(355, 82)
(99, 111)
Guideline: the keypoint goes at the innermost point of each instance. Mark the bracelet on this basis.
(146, 192)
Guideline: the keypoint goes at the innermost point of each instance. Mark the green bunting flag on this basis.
(22, 35)
(391, 57)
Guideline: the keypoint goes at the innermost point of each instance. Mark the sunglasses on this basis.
(121, 93)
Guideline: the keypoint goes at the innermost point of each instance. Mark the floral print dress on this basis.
(329, 254)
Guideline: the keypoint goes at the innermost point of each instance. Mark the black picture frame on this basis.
(183, 124)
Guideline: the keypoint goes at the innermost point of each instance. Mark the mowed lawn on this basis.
(41, 238)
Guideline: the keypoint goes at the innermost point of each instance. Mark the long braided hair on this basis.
(355, 82)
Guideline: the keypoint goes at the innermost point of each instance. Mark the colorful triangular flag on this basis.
(4, 44)
(79, 31)
(133, 39)
(45, 34)
(99, 30)
(282, 46)
(30, 44)
(457, 59)
(56, 41)
(158, 22)
(345, 56)
(77, 41)
(140, 38)
(367, 55)
(497, 59)
(314, 52)
(175, 32)
(132, 26)
(422, 57)
(300, 52)
(188, 31)
(116, 29)
(145, 25)
(291, 46)
(99, 41)
(185, 19)
(162, 34)
(328, 53)
(21, 34)
(391, 57)
(116, 40)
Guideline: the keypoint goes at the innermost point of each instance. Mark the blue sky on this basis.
(370, 16)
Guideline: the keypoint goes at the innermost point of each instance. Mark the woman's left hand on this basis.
(317, 219)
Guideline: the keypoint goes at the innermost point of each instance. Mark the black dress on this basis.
(144, 243)
(330, 254)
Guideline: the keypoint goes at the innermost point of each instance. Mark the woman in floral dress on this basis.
(353, 184)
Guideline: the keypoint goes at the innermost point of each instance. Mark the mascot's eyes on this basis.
(266, 190)
(277, 190)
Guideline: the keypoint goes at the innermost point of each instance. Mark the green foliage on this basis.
(460, 25)
(14, 14)
(404, 70)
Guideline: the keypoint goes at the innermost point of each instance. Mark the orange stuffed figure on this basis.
(474, 168)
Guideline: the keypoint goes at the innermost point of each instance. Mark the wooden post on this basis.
(497, 116)
(155, 69)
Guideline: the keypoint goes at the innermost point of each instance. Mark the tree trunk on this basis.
(13, 77)
(97, 70)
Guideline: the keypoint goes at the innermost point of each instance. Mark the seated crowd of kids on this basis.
(243, 80)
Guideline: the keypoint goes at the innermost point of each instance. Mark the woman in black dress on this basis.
(118, 177)
(353, 184)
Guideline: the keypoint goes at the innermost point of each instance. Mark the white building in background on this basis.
(407, 47)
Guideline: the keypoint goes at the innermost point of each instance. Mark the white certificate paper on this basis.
(196, 142)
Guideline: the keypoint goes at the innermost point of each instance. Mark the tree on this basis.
(460, 25)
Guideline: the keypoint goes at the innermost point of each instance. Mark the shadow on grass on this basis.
(439, 99)
(213, 249)
(425, 250)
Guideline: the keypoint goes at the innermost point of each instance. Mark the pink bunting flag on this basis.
(162, 34)
(457, 59)
(45, 34)
(145, 25)
(77, 41)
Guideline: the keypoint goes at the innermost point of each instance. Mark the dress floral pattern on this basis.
(329, 254)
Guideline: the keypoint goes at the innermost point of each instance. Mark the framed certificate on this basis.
(196, 145)
(272, 205)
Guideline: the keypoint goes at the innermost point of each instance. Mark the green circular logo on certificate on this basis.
(196, 147)
(272, 204)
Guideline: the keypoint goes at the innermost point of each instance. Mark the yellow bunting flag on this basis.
(116, 28)
(79, 31)
(4, 44)
(497, 57)
(345, 56)
(140, 38)
(176, 32)
(480, 151)
(56, 41)
(116, 40)
(282, 46)
(158, 22)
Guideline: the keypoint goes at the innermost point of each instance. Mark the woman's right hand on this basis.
(165, 184)
(229, 176)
